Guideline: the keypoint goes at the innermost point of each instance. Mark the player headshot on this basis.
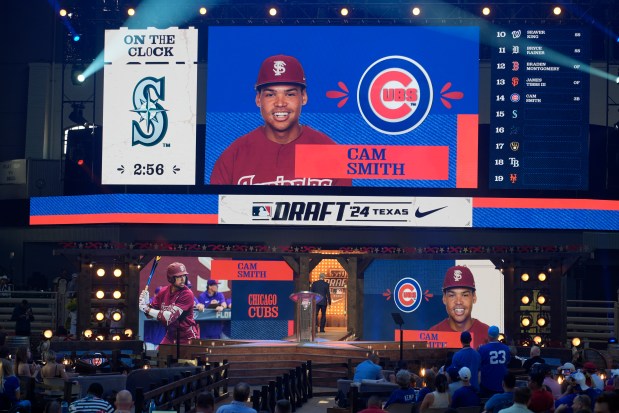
(266, 155)
(459, 297)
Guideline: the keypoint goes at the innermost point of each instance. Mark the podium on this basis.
(305, 325)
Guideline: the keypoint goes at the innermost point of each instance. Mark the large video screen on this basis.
(394, 111)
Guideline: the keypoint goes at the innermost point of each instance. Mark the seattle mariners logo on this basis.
(394, 95)
(407, 295)
(153, 116)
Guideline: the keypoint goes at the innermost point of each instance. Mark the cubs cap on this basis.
(493, 331)
(175, 269)
(212, 282)
(458, 277)
(464, 373)
(280, 69)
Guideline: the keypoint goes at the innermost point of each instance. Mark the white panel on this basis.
(149, 107)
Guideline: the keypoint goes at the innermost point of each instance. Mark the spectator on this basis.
(454, 380)
(52, 368)
(23, 367)
(503, 400)
(124, 402)
(439, 398)
(541, 399)
(514, 361)
(9, 388)
(22, 315)
(93, 402)
(240, 396)
(593, 379)
(430, 380)
(369, 369)
(205, 403)
(581, 402)
(465, 395)
(522, 396)
(495, 357)
(405, 394)
(374, 404)
(535, 358)
(607, 402)
(468, 357)
(581, 380)
(564, 403)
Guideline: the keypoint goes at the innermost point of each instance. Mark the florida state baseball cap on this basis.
(175, 269)
(280, 69)
(458, 277)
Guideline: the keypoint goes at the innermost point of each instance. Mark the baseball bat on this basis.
(152, 271)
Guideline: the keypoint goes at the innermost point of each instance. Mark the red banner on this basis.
(435, 339)
(250, 270)
(372, 161)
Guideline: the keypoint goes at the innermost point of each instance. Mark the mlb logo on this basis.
(261, 211)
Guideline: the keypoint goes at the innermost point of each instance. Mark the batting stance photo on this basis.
(172, 306)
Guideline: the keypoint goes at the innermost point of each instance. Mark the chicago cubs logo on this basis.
(153, 116)
(394, 95)
(407, 295)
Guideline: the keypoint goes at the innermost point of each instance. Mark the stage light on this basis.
(416, 11)
(100, 294)
(501, 337)
(542, 320)
(88, 333)
(537, 340)
(541, 298)
(116, 337)
(62, 12)
(131, 11)
(557, 10)
(100, 337)
(116, 294)
(76, 37)
(541, 276)
(525, 299)
(525, 277)
(48, 334)
(128, 332)
(117, 315)
(612, 340)
(117, 272)
(99, 316)
(272, 12)
(202, 11)
(485, 11)
(92, 264)
(344, 11)
(526, 320)
(576, 341)
(100, 272)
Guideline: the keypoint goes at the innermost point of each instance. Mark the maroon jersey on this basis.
(253, 159)
(478, 330)
(176, 311)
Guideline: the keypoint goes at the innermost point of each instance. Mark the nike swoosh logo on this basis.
(420, 214)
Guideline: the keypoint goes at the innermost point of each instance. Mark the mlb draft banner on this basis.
(352, 211)
(149, 107)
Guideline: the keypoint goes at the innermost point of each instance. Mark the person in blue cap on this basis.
(495, 357)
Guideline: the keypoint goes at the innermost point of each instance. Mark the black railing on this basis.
(294, 386)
